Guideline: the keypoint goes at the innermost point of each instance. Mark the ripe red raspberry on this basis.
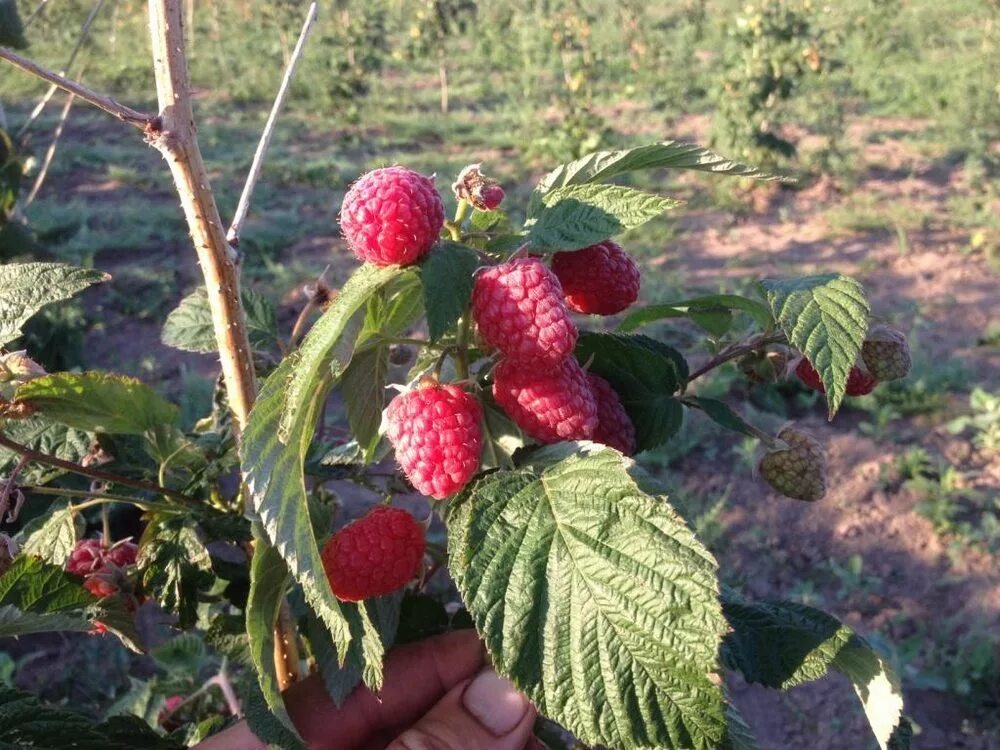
(600, 280)
(375, 555)
(392, 216)
(614, 428)
(491, 196)
(859, 382)
(435, 430)
(519, 308)
(550, 404)
(87, 557)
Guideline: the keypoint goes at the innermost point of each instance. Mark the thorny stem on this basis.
(104, 476)
(738, 350)
(243, 207)
(140, 120)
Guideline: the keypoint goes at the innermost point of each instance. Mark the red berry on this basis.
(550, 404)
(860, 382)
(100, 585)
(491, 196)
(614, 428)
(600, 280)
(435, 430)
(519, 308)
(392, 216)
(375, 555)
(122, 554)
(87, 557)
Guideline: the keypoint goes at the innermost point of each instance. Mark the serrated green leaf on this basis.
(738, 734)
(25, 288)
(782, 644)
(580, 215)
(54, 540)
(368, 642)
(268, 576)
(227, 634)
(97, 401)
(274, 477)
(14, 622)
(446, 278)
(826, 318)
(501, 437)
(327, 349)
(646, 374)
(264, 724)
(35, 586)
(363, 389)
(604, 165)
(189, 328)
(47, 437)
(689, 308)
(395, 308)
(594, 598)
(175, 566)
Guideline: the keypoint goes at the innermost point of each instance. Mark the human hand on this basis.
(437, 695)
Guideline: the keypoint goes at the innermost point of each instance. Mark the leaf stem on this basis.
(738, 350)
(105, 476)
(96, 498)
(462, 347)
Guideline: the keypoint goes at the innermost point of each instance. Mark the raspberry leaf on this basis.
(646, 374)
(722, 414)
(189, 326)
(53, 540)
(373, 628)
(604, 165)
(693, 308)
(45, 436)
(175, 566)
(268, 577)
(328, 348)
(576, 216)
(25, 288)
(446, 276)
(98, 402)
(594, 597)
(826, 318)
(363, 389)
(782, 644)
(274, 477)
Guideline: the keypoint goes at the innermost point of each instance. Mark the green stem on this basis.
(738, 350)
(402, 340)
(462, 347)
(461, 211)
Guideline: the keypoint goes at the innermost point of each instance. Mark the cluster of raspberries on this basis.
(885, 355)
(522, 309)
(104, 570)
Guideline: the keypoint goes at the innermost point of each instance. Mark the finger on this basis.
(416, 676)
(485, 713)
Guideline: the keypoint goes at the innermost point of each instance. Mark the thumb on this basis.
(485, 713)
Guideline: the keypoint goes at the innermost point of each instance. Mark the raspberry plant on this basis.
(515, 415)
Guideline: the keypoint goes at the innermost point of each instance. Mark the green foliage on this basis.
(622, 651)
(25, 288)
(446, 280)
(189, 326)
(98, 402)
(175, 567)
(826, 318)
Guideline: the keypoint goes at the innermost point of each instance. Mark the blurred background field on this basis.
(886, 111)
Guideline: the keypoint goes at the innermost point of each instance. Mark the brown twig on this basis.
(243, 207)
(125, 114)
(177, 141)
(50, 153)
(738, 350)
(104, 476)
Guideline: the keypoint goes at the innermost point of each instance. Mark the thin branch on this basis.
(96, 498)
(109, 105)
(51, 152)
(35, 14)
(86, 471)
(243, 207)
(84, 33)
(738, 350)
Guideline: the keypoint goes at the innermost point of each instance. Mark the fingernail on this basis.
(495, 702)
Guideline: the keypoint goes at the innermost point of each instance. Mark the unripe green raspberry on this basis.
(886, 353)
(798, 471)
